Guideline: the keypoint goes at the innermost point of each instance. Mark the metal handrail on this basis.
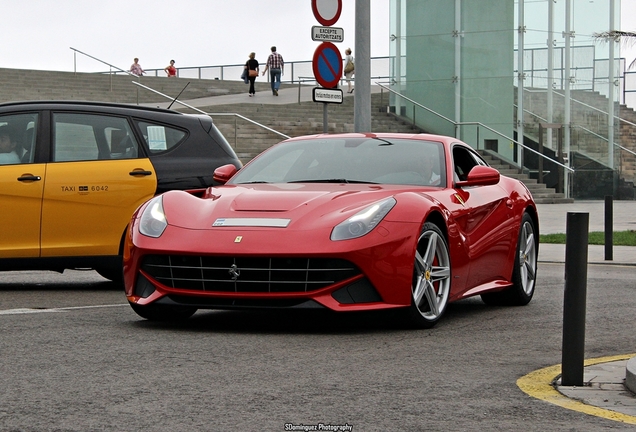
(593, 108)
(213, 114)
(178, 101)
(290, 66)
(101, 61)
(478, 124)
(75, 51)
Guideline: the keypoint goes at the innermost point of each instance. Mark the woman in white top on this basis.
(7, 147)
(349, 69)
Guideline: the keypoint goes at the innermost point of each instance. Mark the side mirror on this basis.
(480, 175)
(223, 173)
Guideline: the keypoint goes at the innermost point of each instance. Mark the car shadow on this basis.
(70, 280)
(312, 321)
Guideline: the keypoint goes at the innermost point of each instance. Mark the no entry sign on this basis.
(327, 65)
(327, 12)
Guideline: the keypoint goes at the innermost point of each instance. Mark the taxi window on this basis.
(160, 138)
(81, 137)
(17, 138)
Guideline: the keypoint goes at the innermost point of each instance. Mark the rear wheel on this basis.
(163, 313)
(431, 278)
(524, 273)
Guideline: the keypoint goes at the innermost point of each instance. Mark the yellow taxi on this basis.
(73, 173)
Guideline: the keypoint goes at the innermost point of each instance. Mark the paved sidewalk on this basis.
(286, 95)
(553, 219)
(604, 388)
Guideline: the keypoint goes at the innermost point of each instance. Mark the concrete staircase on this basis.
(588, 115)
(292, 119)
(20, 85)
(540, 192)
(296, 119)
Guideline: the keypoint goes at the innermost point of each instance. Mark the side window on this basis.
(463, 161)
(160, 138)
(82, 137)
(17, 138)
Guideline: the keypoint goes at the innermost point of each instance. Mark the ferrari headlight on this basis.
(153, 220)
(364, 221)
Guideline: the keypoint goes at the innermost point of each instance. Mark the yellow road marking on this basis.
(538, 384)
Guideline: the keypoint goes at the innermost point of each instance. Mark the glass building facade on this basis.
(519, 79)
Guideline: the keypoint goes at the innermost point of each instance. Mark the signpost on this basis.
(327, 61)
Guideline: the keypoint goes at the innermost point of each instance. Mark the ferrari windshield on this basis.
(349, 160)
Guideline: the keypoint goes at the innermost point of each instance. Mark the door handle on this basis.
(140, 173)
(29, 177)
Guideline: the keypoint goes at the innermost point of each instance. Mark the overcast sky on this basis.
(38, 34)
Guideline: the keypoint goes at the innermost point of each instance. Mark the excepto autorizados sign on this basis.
(327, 34)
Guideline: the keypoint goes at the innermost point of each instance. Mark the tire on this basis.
(524, 273)
(163, 313)
(431, 284)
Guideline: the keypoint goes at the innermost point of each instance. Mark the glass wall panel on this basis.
(458, 75)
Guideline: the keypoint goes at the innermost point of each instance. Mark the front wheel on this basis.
(163, 313)
(431, 278)
(524, 273)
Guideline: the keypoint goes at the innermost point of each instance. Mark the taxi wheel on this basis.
(163, 313)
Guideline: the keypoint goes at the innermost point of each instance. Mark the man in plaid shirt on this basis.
(275, 65)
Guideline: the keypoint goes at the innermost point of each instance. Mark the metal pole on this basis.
(568, 100)
(540, 179)
(398, 59)
(550, 89)
(609, 228)
(325, 120)
(573, 352)
(458, 65)
(520, 78)
(362, 77)
(610, 98)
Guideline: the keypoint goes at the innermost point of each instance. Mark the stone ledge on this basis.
(630, 375)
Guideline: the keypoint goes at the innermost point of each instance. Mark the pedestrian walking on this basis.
(276, 67)
(349, 69)
(136, 68)
(171, 71)
(251, 66)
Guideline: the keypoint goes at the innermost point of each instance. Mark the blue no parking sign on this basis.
(327, 65)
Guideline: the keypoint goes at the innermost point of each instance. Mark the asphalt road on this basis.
(75, 357)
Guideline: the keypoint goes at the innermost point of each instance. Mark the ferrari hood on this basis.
(282, 206)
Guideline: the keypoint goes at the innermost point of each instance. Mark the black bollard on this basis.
(573, 353)
(609, 228)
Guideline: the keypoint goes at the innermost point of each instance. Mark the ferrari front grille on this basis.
(247, 274)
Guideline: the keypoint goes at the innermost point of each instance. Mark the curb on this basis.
(630, 375)
(540, 385)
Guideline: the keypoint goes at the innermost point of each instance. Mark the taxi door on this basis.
(20, 208)
(94, 183)
(21, 186)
